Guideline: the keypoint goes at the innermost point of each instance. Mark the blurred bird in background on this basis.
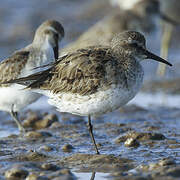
(139, 15)
(170, 19)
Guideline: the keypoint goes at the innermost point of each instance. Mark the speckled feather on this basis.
(82, 72)
(93, 80)
(85, 72)
(11, 68)
(42, 50)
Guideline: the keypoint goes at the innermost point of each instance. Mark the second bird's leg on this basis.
(90, 127)
(15, 117)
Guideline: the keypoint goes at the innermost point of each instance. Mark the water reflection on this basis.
(91, 176)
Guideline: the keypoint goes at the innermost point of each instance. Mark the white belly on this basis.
(17, 97)
(95, 104)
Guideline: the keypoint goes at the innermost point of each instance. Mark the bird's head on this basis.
(133, 44)
(50, 32)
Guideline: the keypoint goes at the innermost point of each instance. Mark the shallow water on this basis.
(109, 131)
(99, 176)
(146, 113)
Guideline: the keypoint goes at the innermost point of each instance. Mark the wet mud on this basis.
(134, 142)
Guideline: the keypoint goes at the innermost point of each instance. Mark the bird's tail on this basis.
(35, 80)
(32, 81)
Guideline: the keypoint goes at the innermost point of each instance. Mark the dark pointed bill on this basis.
(156, 58)
(56, 52)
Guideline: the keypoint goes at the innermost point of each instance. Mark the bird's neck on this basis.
(120, 51)
(125, 57)
(43, 53)
(44, 47)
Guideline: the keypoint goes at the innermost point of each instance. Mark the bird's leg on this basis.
(90, 127)
(93, 175)
(165, 42)
(15, 117)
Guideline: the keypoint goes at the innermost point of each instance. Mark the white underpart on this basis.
(14, 96)
(124, 4)
(95, 104)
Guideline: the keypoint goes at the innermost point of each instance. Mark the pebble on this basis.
(36, 177)
(35, 134)
(29, 121)
(130, 142)
(16, 173)
(167, 162)
(46, 148)
(49, 167)
(174, 172)
(140, 136)
(67, 148)
(33, 156)
(46, 121)
(56, 125)
(37, 122)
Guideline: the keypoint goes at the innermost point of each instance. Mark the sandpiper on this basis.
(171, 13)
(139, 16)
(43, 49)
(94, 80)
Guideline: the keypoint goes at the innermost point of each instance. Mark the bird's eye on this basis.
(56, 35)
(47, 31)
(134, 44)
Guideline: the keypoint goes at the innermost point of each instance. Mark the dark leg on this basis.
(15, 117)
(93, 175)
(90, 127)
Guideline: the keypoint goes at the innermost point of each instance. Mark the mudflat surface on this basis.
(134, 142)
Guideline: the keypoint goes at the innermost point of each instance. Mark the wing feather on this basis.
(82, 72)
(11, 68)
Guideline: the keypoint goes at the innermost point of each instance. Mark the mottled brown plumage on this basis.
(87, 70)
(55, 30)
(94, 80)
(11, 67)
(42, 50)
(94, 68)
(84, 72)
(54, 24)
